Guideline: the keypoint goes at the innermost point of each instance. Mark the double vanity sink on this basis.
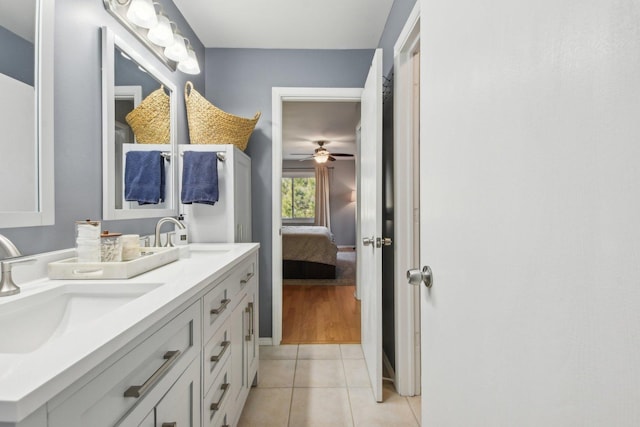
(33, 319)
(55, 332)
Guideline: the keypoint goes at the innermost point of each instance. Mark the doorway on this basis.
(318, 258)
(279, 98)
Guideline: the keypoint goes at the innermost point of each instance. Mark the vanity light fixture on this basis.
(156, 31)
(162, 33)
(177, 51)
(142, 13)
(190, 65)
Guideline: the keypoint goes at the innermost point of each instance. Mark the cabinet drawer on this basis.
(219, 302)
(217, 306)
(216, 355)
(217, 400)
(137, 380)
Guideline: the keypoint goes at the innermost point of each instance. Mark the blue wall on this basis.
(78, 121)
(16, 57)
(240, 81)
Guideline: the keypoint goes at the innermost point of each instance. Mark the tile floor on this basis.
(322, 385)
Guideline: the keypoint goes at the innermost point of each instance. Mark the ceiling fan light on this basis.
(321, 158)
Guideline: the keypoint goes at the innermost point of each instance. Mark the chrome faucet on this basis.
(7, 285)
(9, 248)
(159, 225)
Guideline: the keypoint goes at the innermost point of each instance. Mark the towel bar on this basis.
(221, 156)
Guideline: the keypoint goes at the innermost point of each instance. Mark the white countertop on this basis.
(28, 381)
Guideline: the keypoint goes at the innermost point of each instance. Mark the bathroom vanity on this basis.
(177, 346)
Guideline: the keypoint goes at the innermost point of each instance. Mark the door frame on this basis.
(279, 95)
(407, 298)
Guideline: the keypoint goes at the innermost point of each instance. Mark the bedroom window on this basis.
(298, 198)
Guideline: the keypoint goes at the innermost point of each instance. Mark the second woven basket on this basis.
(210, 125)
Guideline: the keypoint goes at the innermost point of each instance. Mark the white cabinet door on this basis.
(180, 407)
(251, 334)
(149, 420)
(242, 206)
(238, 369)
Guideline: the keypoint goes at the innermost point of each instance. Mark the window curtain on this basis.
(322, 197)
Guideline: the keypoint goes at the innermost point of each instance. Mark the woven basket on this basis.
(150, 120)
(210, 125)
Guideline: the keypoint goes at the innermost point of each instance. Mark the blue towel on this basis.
(144, 177)
(200, 177)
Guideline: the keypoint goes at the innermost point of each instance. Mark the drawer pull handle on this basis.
(140, 390)
(250, 331)
(169, 424)
(223, 305)
(215, 406)
(225, 345)
(246, 279)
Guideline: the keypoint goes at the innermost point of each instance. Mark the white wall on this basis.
(531, 111)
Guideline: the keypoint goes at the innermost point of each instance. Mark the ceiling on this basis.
(306, 122)
(287, 24)
(17, 17)
(296, 24)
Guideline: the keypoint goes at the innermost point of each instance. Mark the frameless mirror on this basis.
(138, 130)
(26, 113)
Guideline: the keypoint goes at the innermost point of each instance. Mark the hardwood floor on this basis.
(320, 315)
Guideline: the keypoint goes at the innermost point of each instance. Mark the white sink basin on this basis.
(31, 320)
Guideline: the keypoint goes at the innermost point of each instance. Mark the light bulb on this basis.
(142, 13)
(161, 34)
(322, 158)
(177, 51)
(190, 65)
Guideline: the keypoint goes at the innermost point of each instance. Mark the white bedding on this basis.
(309, 243)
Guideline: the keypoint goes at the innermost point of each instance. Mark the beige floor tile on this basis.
(278, 352)
(415, 403)
(355, 371)
(276, 373)
(319, 373)
(268, 407)
(351, 351)
(394, 411)
(320, 407)
(319, 351)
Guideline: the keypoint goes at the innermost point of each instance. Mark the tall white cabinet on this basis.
(229, 220)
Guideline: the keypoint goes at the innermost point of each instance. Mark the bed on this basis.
(308, 252)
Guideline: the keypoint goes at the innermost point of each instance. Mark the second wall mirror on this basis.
(139, 123)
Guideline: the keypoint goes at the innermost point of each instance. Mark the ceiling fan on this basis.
(321, 154)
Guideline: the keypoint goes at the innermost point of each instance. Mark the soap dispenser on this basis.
(181, 234)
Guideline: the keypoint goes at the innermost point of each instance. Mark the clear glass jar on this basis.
(110, 247)
(130, 247)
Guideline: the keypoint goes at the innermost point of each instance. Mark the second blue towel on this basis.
(200, 177)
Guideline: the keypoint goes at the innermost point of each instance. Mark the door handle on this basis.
(368, 241)
(416, 276)
(383, 241)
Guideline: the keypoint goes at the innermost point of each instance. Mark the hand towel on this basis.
(200, 177)
(144, 179)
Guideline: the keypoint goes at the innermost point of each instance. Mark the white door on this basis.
(530, 214)
(370, 209)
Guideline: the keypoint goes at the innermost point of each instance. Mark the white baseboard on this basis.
(265, 341)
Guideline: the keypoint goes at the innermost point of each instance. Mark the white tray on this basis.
(152, 258)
